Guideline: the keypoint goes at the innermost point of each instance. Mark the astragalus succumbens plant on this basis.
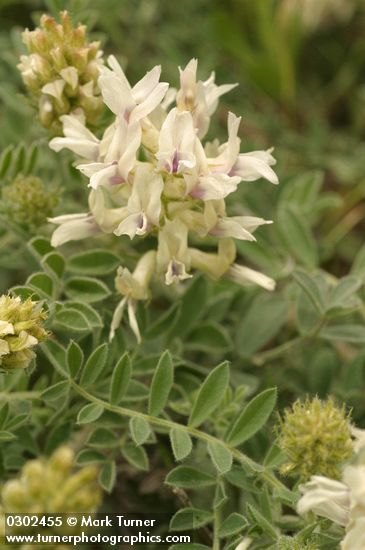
(158, 238)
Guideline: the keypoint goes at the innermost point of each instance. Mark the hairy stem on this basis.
(256, 468)
(261, 358)
(20, 395)
(217, 523)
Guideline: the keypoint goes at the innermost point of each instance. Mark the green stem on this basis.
(19, 396)
(345, 225)
(256, 468)
(217, 524)
(261, 358)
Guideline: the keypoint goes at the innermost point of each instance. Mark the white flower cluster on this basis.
(342, 502)
(150, 174)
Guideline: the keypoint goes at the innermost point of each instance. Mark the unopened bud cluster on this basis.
(61, 71)
(27, 201)
(21, 329)
(51, 486)
(316, 437)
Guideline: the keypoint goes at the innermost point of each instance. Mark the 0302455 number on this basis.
(23, 520)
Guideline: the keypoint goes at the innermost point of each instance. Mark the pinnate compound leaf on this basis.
(54, 263)
(297, 236)
(192, 306)
(189, 478)
(71, 320)
(92, 316)
(75, 358)
(103, 438)
(56, 391)
(210, 394)
(310, 286)
(56, 354)
(261, 323)
(252, 418)
(140, 430)
(220, 456)
(209, 337)
(353, 334)
(7, 436)
(136, 456)
(42, 283)
(90, 413)
(232, 525)
(164, 323)
(107, 476)
(94, 365)
(181, 443)
(93, 262)
(161, 384)
(86, 289)
(120, 379)
(89, 456)
(343, 293)
(190, 518)
(262, 522)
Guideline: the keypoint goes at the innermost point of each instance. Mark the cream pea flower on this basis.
(177, 143)
(133, 287)
(218, 177)
(110, 159)
(199, 97)
(173, 257)
(144, 204)
(77, 138)
(327, 498)
(73, 227)
(150, 175)
(342, 502)
(132, 104)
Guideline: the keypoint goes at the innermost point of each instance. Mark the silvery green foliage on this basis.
(187, 417)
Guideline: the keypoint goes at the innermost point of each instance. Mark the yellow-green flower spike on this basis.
(295, 543)
(27, 201)
(50, 486)
(61, 71)
(315, 436)
(21, 329)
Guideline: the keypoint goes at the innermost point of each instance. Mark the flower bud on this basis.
(316, 437)
(61, 62)
(62, 460)
(136, 285)
(27, 201)
(14, 496)
(21, 328)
